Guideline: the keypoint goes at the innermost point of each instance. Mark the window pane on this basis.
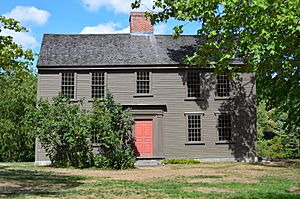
(194, 128)
(143, 82)
(98, 85)
(224, 126)
(193, 84)
(68, 85)
(223, 86)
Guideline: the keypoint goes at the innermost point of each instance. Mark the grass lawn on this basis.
(204, 180)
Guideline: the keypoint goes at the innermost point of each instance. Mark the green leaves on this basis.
(67, 133)
(264, 34)
(177, 31)
(113, 127)
(13, 58)
(63, 130)
(17, 97)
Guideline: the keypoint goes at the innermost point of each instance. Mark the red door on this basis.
(143, 137)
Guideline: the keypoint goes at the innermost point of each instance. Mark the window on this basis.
(143, 83)
(98, 85)
(95, 138)
(224, 126)
(194, 127)
(68, 85)
(193, 84)
(223, 86)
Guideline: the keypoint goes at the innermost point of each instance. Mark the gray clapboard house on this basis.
(180, 112)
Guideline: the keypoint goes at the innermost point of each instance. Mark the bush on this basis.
(112, 127)
(63, 130)
(272, 148)
(66, 130)
(181, 161)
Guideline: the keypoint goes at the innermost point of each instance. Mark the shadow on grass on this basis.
(19, 182)
(282, 163)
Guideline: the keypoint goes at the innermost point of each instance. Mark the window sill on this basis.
(195, 143)
(143, 95)
(95, 145)
(224, 98)
(225, 142)
(74, 100)
(92, 100)
(193, 99)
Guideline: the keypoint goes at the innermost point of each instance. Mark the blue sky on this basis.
(74, 16)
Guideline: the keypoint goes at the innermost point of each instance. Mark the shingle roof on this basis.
(113, 49)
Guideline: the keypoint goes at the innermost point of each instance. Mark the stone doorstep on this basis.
(147, 163)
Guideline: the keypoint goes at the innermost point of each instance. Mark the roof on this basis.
(113, 49)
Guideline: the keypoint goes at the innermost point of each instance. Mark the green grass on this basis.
(24, 180)
(181, 161)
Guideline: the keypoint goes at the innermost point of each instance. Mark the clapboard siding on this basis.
(169, 89)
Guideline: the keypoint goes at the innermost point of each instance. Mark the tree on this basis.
(269, 143)
(13, 58)
(274, 140)
(265, 34)
(17, 95)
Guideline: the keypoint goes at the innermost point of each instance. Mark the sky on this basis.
(75, 17)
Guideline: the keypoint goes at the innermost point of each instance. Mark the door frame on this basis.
(154, 112)
(157, 134)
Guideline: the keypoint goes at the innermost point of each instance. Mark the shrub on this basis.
(181, 161)
(272, 148)
(63, 130)
(112, 127)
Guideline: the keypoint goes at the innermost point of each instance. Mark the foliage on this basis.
(273, 139)
(13, 58)
(66, 132)
(264, 34)
(113, 130)
(180, 161)
(63, 130)
(17, 95)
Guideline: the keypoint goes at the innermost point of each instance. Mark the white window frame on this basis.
(217, 114)
(91, 83)
(216, 90)
(187, 114)
(75, 83)
(150, 84)
(201, 85)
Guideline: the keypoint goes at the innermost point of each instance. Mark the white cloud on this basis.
(115, 28)
(160, 29)
(107, 28)
(29, 14)
(23, 38)
(118, 6)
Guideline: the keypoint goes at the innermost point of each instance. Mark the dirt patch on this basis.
(294, 190)
(5, 185)
(143, 173)
(209, 190)
(226, 179)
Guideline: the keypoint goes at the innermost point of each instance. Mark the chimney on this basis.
(139, 24)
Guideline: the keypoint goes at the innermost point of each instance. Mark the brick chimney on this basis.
(139, 24)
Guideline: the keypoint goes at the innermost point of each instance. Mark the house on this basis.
(180, 112)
